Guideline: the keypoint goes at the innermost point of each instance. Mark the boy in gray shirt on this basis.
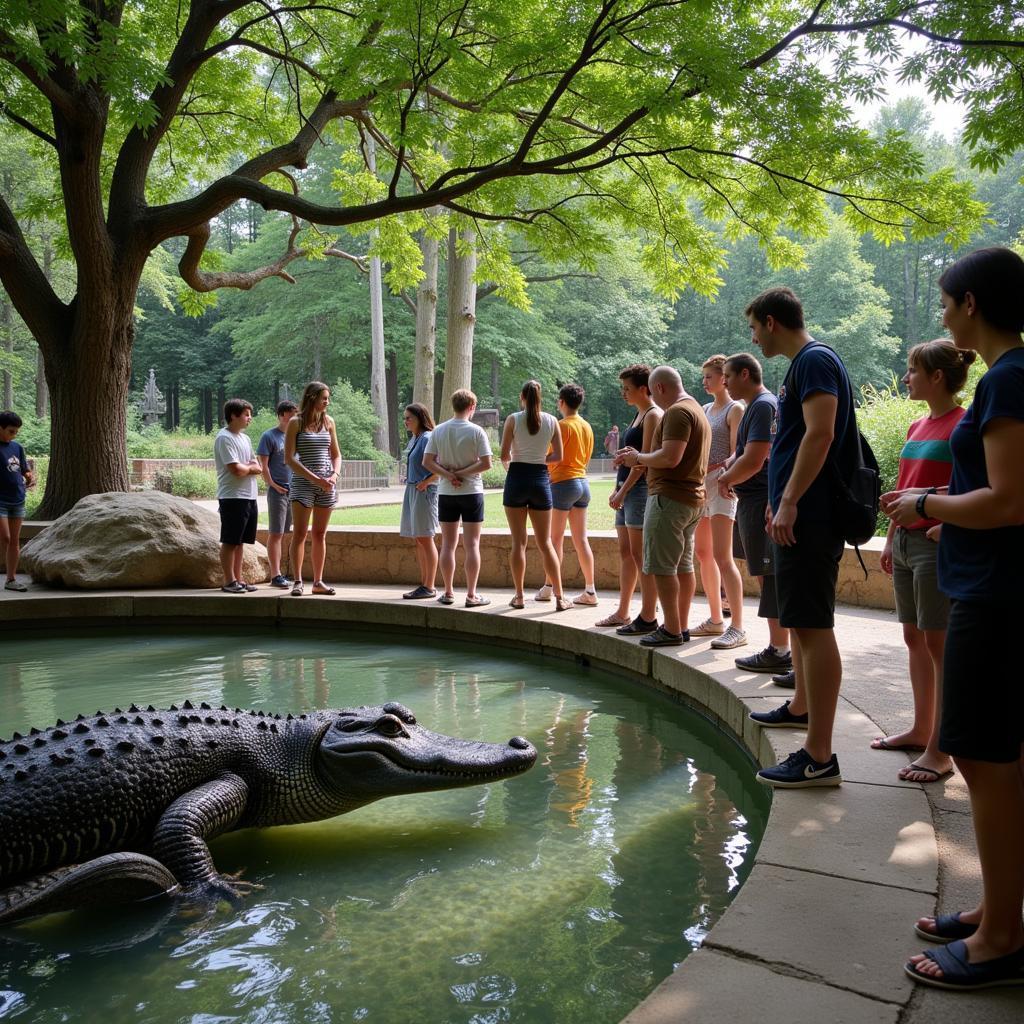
(237, 470)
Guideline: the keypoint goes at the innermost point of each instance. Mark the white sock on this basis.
(782, 652)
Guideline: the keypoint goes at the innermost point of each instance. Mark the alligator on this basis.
(121, 806)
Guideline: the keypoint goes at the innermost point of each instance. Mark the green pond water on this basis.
(563, 895)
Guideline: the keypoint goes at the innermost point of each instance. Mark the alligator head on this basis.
(373, 752)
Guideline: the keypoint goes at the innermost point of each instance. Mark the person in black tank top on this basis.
(628, 499)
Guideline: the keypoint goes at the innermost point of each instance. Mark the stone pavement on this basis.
(821, 927)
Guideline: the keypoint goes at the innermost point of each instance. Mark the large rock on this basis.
(148, 539)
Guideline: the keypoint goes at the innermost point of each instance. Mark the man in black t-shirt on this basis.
(746, 479)
(814, 420)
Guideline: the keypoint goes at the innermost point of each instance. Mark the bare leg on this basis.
(687, 588)
(668, 595)
(449, 542)
(10, 537)
(798, 702)
(300, 527)
(274, 553)
(629, 572)
(236, 561)
(823, 675)
(517, 551)
(778, 636)
(721, 542)
(321, 517)
(426, 555)
(930, 713)
(471, 542)
(584, 553)
(710, 579)
(648, 583)
(922, 683)
(541, 523)
(227, 562)
(559, 518)
(997, 806)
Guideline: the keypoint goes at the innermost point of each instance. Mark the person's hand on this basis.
(891, 497)
(902, 508)
(615, 500)
(934, 532)
(782, 522)
(725, 489)
(421, 486)
(626, 457)
(30, 478)
(885, 560)
(454, 479)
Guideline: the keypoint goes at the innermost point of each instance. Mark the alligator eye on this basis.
(390, 726)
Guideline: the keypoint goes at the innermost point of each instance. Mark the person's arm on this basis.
(267, 478)
(670, 454)
(27, 475)
(431, 464)
(885, 559)
(819, 409)
(987, 508)
(733, 422)
(747, 465)
(289, 452)
(506, 441)
(557, 450)
(335, 454)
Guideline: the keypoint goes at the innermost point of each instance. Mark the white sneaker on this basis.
(708, 628)
(588, 597)
(731, 638)
(544, 594)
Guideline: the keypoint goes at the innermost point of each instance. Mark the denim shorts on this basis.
(528, 486)
(567, 494)
(10, 510)
(631, 514)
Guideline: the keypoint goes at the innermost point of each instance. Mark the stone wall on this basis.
(362, 555)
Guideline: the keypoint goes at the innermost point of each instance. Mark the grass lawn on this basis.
(600, 516)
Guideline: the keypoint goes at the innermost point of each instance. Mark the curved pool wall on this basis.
(815, 932)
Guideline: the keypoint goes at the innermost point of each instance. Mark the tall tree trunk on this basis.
(378, 385)
(495, 384)
(426, 325)
(177, 405)
(42, 394)
(391, 375)
(440, 412)
(7, 328)
(458, 359)
(909, 297)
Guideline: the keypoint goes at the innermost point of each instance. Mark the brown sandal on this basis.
(612, 620)
(563, 604)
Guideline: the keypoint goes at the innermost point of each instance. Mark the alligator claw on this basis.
(232, 888)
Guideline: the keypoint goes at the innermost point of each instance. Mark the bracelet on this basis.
(922, 498)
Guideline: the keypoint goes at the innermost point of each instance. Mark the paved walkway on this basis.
(823, 924)
(346, 499)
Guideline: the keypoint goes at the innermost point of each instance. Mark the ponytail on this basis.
(531, 395)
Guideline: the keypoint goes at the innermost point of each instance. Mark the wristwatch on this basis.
(919, 507)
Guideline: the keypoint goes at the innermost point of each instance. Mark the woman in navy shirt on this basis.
(981, 569)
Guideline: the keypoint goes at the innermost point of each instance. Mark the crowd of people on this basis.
(748, 468)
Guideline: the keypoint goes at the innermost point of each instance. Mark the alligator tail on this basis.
(113, 878)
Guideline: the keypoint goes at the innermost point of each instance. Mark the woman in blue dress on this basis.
(419, 505)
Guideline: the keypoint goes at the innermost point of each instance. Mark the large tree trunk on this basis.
(42, 392)
(458, 359)
(392, 389)
(88, 377)
(426, 325)
(7, 328)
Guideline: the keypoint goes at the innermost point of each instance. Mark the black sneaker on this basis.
(638, 627)
(420, 593)
(768, 660)
(800, 771)
(661, 637)
(247, 588)
(787, 680)
(780, 718)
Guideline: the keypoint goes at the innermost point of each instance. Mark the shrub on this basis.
(34, 494)
(191, 482)
(495, 476)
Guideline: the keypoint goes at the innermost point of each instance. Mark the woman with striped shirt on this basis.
(311, 450)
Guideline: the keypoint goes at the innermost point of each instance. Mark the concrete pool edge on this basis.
(835, 867)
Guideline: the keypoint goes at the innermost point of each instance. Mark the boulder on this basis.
(146, 539)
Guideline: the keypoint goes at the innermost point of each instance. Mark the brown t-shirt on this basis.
(684, 421)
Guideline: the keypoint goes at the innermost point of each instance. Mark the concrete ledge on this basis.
(821, 927)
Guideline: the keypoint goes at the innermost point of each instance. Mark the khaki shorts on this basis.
(669, 527)
(916, 581)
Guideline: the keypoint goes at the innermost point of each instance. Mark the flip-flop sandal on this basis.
(960, 975)
(882, 743)
(517, 602)
(562, 604)
(914, 767)
(611, 620)
(324, 590)
(948, 928)
(477, 602)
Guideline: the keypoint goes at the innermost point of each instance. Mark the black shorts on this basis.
(527, 485)
(806, 576)
(238, 519)
(467, 507)
(755, 543)
(982, 694)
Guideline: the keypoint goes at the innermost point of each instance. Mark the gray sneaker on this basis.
(731, 638)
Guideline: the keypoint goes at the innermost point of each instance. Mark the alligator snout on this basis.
(519, 743)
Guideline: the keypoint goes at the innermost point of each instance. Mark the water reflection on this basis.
(563, 895)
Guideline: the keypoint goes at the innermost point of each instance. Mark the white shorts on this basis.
(714, 503)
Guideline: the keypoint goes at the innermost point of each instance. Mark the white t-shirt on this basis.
(533, 448)
(456, 443)
(227, 448)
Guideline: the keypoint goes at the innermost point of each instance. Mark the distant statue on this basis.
(486, 418)
(286, 393)
(152, 406)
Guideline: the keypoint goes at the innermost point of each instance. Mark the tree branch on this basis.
(5, 111)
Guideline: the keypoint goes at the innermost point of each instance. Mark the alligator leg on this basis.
(196, 817)
(113, 878)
